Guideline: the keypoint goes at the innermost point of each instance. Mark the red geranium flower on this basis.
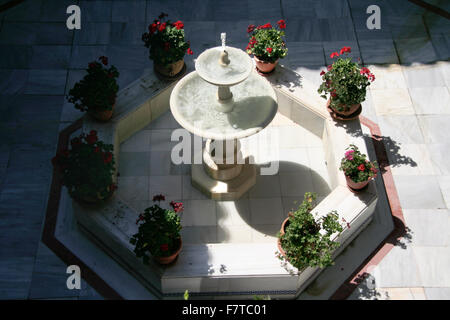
(265, 26)
(269, 50)
(177, 206)
(322, 73)
(250, 28)
(91, 138)
(162, 27)
(164, 247)
(361, 167)
(152, 28)
(346, 49)
(189, 51)
(104, 60)
(364, 70)
(282, 24)
(166, 46)
(329, 67)
(92, 65)
(107, 157)
(141, 217)
(178, 24)
(334, 54)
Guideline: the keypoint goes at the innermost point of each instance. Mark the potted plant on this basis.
(87, 169)
(159, 232)
(96, 93)
(305, 241)
(267, 45)
(346, 83)
(357, 169)
(167, 46)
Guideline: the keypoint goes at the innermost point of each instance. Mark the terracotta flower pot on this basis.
(344, 114)
(172, 257)
(282, 231)
(356, 186)
(283, 224)
(104, 115)
(172, 70)
(264, 66)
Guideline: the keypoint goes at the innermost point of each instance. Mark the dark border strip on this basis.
(10, 4)
(48, 235)
(347, 288)
(432, 8)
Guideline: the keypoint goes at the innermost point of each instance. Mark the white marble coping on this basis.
(147, 98)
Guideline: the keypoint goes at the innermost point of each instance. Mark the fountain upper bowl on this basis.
(209, 69)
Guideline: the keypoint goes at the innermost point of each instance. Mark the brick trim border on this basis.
(432, 8)
(10, 4)
(48, 234)
(347, 288)
(343, 292)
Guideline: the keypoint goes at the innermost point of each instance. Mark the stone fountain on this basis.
(223, 101)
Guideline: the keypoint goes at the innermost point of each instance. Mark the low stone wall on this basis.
(257, 270)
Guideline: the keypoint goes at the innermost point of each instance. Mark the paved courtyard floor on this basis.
(40, 60)
(146, 170)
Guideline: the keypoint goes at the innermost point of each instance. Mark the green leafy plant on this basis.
(166, 41)
(345, 81)
(356, 166)
(159, 230)
(87, 168)
(307, 240)
(97, 91)
(266, 42)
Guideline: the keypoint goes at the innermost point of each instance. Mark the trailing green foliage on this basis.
(266, 42)
(87, 168)
(356, 166)
(159, 230)
(345, 81)
(166, 41)
(307, 241)
(97, 91)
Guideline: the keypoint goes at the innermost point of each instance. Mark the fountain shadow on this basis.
(264, 207)
(252, 112)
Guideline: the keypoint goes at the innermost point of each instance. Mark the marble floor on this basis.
(40, 60)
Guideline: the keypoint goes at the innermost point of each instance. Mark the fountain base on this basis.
(227, 190)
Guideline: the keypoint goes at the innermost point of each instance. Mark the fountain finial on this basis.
(223, 37)
(223, 60)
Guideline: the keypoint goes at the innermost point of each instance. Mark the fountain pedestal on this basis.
(225, 174)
